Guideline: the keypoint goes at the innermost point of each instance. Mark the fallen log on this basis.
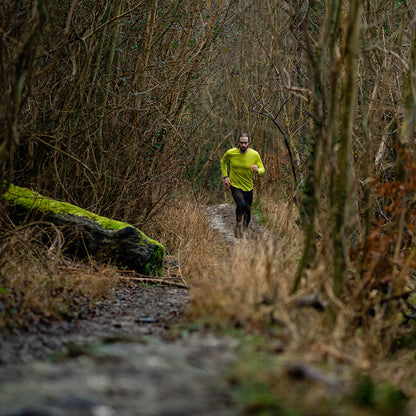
(88, 234)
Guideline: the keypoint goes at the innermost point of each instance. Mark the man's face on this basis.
(243, 144)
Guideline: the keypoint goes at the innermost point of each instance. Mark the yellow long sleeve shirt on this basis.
(241, 174)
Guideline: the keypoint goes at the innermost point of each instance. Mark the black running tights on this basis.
(243, 199)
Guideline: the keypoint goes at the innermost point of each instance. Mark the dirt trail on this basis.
(119, 362)
(222, 219)
(120, 359)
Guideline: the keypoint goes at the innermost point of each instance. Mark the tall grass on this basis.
(247, 285)
(37, 284)
(230, 283)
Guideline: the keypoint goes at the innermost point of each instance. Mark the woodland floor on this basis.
(122, 358)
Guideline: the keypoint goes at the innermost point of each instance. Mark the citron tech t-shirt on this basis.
(241, 174)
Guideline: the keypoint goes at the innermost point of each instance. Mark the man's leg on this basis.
(248, 200)
(239, 199)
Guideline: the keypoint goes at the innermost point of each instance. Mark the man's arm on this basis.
(224, 162)
(260, 166)
(224, 170)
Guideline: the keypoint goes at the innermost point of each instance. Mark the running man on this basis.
(242, 163)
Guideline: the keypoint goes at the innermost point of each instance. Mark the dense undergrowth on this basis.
(113, 105)
(302, 353)
(38, 285)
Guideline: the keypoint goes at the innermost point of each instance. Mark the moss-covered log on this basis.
(86, 233)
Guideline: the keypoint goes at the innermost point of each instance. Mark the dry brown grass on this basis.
(245, 285)
(248, 286)
(184, 229)
(230, 284)
(37, 284)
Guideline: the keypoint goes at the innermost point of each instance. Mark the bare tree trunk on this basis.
(140, 71)
(343, 176)
(319, 147)
(107, 79)
(23, 73)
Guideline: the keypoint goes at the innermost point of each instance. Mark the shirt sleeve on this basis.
(224, 161)
(259, 164)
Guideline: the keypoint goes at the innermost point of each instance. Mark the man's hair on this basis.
(244, 135)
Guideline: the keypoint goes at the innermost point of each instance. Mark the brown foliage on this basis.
(106, 108)
(38, 286)
(387, 257)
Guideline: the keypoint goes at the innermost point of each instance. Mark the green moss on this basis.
(383, 399)
(34, 201)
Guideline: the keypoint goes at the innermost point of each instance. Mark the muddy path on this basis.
(122, 357)
(222, 219)
(121, 361)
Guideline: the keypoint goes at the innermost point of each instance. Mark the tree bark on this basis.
(343, 176)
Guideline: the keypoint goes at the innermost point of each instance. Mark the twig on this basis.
(266, 113)
(152, 280)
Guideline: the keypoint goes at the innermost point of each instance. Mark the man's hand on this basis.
(227, 181)
(254, 168)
